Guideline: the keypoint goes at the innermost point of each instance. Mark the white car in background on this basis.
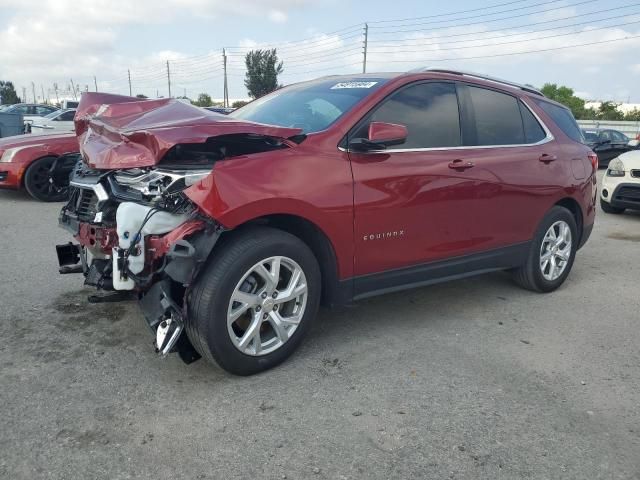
(30, 111)
(61, 120)
(621, 184)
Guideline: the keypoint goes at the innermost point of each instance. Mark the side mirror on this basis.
(604, 142)
(381, 135)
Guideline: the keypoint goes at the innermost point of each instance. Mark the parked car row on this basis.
(232, 229)
(608, 144)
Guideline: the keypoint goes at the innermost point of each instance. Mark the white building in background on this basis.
(623, 107)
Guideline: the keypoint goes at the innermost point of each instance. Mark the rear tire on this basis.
(234, 300)
(608, 208)
(45, 184)
(535, 274)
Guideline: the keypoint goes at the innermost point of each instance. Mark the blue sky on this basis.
(52, 41)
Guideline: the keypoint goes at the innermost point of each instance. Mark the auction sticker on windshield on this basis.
(353, 85)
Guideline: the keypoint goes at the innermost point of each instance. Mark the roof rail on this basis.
(526, 88)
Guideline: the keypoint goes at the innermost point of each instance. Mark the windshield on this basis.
(311, 106)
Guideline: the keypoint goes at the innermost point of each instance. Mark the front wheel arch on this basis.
(316, 239)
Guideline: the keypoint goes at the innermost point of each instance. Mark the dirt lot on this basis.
(473, 379)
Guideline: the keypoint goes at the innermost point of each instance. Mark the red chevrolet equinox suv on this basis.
(231, 230)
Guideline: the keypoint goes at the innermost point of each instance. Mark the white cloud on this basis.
(56, 40)
(277, 16)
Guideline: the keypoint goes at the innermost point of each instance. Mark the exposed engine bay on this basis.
(131, 227)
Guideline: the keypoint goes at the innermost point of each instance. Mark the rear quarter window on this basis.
(563, 118)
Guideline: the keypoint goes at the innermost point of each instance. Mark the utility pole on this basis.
(24, 95)
(168, 79)
(55, 89)
(366, 40)
(129, 75)
(33, 89)
(42, 88)
(95, 82)
(225, 92)
(73, 87)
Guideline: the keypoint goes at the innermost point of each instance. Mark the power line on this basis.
(488, 7)
(431, 22)
(509, 42)
(630, 37)
(510, 34)
(488, 21)
(326, 38)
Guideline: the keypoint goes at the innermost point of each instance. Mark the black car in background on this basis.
(607, 143)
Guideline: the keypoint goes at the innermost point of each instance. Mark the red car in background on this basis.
(38, 163)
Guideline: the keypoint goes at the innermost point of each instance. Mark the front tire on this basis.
(608, 208)
(552, 252)
(47, 182)
(255, 301)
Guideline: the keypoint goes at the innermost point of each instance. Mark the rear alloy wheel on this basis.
(47, 181)
(254, 301)
(551, 254)
(555, 250)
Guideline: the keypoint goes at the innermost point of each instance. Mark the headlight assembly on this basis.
(10, 153)
(157, 183)
(616, 168)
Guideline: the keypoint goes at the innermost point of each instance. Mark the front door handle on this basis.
(545, 158)
(460, 165)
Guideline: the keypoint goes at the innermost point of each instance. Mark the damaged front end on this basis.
(137, 230)
(138, 234)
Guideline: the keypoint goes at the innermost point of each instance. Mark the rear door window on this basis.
(618, 137)
(563, 118)
(498, 120)
(428, 110)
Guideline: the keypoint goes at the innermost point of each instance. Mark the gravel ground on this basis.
(468, 380)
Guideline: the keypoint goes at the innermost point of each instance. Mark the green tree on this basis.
(239, 103)
(633, 115)
(565, 95)
(609, 111)
(8, 95)
(263, 69)
(203, 100)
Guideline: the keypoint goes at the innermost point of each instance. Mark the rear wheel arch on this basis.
(314, 237)
(576, 210)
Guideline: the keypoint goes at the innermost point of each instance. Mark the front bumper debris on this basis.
(119, 249)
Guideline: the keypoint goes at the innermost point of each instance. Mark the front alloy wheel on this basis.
(267, 305)
(255, 300)
(47, 179)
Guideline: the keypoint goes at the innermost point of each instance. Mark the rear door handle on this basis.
(460, 165)
(545, 158)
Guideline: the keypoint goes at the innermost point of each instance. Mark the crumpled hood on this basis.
(116, 131)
